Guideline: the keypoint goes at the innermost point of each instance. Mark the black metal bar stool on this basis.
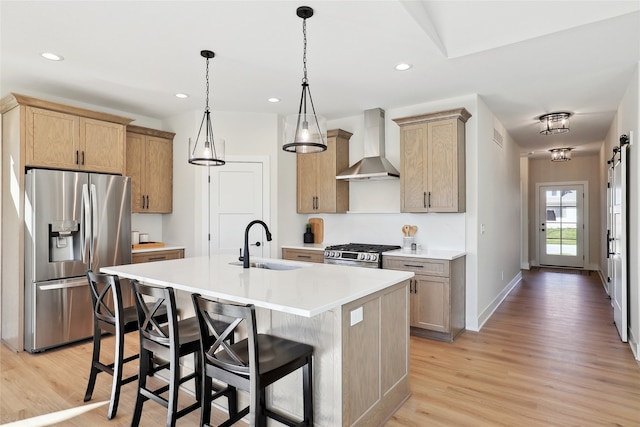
(251, 364)
(168, 341)
(110, 316)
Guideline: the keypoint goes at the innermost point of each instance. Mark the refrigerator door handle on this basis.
(62, 286)
(94, 215)
(87, 224)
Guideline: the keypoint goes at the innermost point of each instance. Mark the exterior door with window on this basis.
(561, 225)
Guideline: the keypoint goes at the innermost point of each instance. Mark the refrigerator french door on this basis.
(74, 221)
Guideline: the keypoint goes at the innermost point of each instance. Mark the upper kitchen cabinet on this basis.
(432, 162)
(63, 137)
(150, 166)
(318, 189)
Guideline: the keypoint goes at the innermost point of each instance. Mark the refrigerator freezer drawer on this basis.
(60, 313)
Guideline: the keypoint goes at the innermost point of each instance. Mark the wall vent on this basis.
(498, 138)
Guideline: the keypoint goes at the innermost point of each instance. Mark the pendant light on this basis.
(305, 132)
(206, 153)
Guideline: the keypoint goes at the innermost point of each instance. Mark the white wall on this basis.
(497, 229)
(186, 225)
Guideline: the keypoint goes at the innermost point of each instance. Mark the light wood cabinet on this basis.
(307, 255)
(152, 256)
(318, 191)
(67, 141)
(432, 162)
(150, 166)
(437, 294)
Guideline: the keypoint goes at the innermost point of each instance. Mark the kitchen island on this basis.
(357, 320)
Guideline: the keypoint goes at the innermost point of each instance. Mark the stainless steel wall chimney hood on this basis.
(374, 165)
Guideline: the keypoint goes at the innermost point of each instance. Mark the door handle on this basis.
(256, 244)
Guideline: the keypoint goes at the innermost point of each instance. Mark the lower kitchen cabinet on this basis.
(307, 255)
(140, 257)
(437, 295)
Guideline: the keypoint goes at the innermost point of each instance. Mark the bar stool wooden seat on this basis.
(168, 341)
(251, 364)
(110, 316)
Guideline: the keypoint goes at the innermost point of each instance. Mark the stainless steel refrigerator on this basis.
(74, 221)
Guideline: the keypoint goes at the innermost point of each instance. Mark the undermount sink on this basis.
(270, 265)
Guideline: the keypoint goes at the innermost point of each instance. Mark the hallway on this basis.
(549, 356)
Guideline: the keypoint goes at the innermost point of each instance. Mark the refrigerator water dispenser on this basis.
(64, 241)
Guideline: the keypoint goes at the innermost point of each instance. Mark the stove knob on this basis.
(374, 257)
(361, 256)
(326, 254)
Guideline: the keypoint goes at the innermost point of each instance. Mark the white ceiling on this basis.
(525, 58)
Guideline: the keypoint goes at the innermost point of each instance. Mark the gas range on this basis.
(357, 254)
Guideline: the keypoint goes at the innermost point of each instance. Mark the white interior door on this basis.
(236, 198)
(561, 236)
(618, 245)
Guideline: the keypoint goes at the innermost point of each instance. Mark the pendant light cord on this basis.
(304, 51)
(206, 108)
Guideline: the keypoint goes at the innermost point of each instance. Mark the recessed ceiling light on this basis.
(403, 66)
(52, 56)
(182, 95)
(274, 100)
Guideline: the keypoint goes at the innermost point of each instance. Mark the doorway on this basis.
(238, 194)
(562, 224)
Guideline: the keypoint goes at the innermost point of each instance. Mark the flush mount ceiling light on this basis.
(554, 123)
(305, 132)
(205, 153)
(561, 154)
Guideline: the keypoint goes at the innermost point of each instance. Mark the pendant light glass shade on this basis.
(305, 132)
(554, 123)
(560, 154)
(205, 151)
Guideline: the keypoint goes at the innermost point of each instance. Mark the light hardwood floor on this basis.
(549, 356)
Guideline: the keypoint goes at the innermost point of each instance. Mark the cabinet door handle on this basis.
(413, 266)
(83, 157)
(143, 201)
(304, 256)
(147, 201)
(424, 199)
(415, 286)
(429, 203)
(77, 153)
(158, 258)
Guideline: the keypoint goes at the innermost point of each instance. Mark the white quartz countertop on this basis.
(307, 246)
(443, 254)
(164, 248)
(307, 291)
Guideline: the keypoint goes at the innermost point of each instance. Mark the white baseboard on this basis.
(488, 312)
(525, 266)
(634, 344)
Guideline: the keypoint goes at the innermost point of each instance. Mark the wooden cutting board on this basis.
(317, 228)
(148, 245)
